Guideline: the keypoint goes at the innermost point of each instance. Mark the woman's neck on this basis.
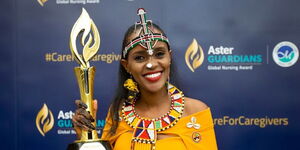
(153, 104)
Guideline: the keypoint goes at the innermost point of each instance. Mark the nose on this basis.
(151, 63)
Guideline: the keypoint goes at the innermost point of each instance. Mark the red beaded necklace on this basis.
(145, 129)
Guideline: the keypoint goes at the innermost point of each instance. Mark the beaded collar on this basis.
(145, 129)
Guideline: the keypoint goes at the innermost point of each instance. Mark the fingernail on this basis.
(92, 126)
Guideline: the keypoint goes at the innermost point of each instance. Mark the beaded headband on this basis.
(147, 38)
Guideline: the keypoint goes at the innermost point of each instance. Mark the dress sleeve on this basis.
(199, 131)
(106, 136)
(105, 132)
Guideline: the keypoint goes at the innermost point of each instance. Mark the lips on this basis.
(153, 76)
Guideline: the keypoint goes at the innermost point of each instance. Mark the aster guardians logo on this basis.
(285, 54)
(44, 120)
(194, 56)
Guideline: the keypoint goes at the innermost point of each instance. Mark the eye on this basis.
(139, 58)
(160, 54)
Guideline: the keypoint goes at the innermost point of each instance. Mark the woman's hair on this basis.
(122, 93)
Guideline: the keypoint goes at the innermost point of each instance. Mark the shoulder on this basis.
(193, 106)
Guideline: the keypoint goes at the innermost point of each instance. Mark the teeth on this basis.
(153, 75)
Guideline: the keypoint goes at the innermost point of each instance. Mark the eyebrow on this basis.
(160, 48)
(142, 51)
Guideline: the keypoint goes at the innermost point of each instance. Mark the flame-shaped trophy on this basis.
(85, 76)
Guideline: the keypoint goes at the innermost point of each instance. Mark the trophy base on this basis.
(93, 145)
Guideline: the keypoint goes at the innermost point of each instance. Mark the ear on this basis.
(124, 63)
(170, 53)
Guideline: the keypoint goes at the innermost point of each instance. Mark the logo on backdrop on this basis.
(77, 1)
(221, 58)
(194, 56)
(42, 2)
(285, 54)
(65, 126)
(57, 57)
(44, 120)
(262, 122)
(230, 59)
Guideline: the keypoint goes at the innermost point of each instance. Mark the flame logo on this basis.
(42, 2)
(45, 119)
(84, 25)
(194, 56)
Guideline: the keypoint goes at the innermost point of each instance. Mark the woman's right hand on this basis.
(82, 120)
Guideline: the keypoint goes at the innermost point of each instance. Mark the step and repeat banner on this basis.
(239, 57)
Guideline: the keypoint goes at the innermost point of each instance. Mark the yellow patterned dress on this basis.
(193, 132)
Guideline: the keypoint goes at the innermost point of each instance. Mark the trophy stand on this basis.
(85, 77)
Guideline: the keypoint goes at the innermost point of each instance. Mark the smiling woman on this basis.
(149, 71)
(148, 112)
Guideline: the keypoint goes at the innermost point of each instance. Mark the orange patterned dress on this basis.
(193, 132)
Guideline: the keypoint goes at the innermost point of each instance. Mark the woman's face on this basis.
(149, 79)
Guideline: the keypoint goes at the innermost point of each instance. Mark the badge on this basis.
(196, 137)
(193, 123)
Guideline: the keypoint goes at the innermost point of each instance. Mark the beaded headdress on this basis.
(147, 38)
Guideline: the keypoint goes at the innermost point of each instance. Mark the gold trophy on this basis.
(85, 76)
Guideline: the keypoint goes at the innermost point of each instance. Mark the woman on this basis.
(148, 112)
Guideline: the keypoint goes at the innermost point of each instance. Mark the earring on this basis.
(132, 88)
(167, 84)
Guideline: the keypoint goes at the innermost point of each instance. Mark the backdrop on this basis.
(249, 75)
